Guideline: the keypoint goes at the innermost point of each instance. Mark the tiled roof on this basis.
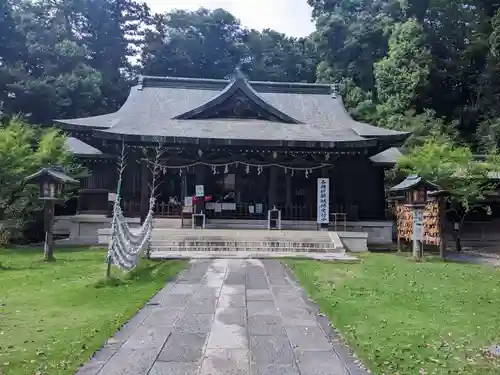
(412, 181)
(154, 106)
(77, 147)
(388, 157)
(53, 172)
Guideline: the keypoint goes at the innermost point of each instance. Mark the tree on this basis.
(24, 150)
(200, 44)
(212, 44)
(274, 56)
(52, 78)
(403, 74)
(454, 168)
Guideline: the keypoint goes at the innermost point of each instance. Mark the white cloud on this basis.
(292, 17)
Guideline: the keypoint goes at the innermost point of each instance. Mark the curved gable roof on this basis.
(239, 84)
(164, 106)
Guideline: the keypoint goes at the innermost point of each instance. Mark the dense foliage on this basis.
(24, 150)
(427, 66)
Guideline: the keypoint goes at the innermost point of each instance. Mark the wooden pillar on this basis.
(144, 189)
(48, 248)
(288, 180)
(442, 219)
(271, 196)
(183, 186)
(78, 203)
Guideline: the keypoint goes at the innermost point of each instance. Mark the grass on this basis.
(53, 316)
(403, 317)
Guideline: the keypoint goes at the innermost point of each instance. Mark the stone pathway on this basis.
(227, 317)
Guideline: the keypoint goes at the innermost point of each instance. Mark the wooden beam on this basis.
(144, 189)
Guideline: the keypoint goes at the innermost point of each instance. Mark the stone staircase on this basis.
(244, 240)
(169, 243)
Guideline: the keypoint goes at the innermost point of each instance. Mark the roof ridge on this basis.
(211, 83)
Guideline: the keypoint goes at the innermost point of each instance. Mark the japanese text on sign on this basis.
(199, 190)
(323, 216)
(418, 224)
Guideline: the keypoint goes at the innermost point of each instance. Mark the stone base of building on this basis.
(94, 229)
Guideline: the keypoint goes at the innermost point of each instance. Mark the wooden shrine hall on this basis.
(251, 145)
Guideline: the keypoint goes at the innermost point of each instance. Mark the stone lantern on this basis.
(51, 182)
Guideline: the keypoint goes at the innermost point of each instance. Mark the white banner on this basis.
(200, 191)
(323, 214)
(418, 224)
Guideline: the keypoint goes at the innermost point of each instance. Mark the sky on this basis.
(292, 17)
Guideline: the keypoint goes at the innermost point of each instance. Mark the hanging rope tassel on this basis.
(126, 247)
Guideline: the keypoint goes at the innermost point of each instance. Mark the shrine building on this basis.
(251, 145)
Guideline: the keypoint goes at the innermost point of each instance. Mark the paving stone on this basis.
(232, 289)
(232, 300)
(175, 368)
(231, 316)
(270, 349)
(308, 338)
(183, 347)
(259, 295)
(201, 306)
(261, 308)
(148, 338)
(236, 277)
(292, 322)
(274, 369)
(164, 299)
(225, 362)
(183, 288)
(257, 283)
(295, 312)
(284, 291)
(246, 314)
(163, 317)
(224, 336)
(278, 281)
(273, 268)
(126, 330)
(90, 368)
(206, 292)
(195, 323)
(265, 325)
(130, 362)
(290, 302)
(320, 363)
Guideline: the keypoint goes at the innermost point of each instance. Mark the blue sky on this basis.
(292, 17)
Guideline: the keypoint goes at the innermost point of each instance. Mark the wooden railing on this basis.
(243, 211)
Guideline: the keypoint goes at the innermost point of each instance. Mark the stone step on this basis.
(333, 257)
(260, 240)
(258, 244)
(243, 248)
(233, 239)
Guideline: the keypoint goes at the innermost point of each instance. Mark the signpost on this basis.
(323, 202)
(418, 231)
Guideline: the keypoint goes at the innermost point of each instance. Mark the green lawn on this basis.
(53, 316)
(408, 318)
